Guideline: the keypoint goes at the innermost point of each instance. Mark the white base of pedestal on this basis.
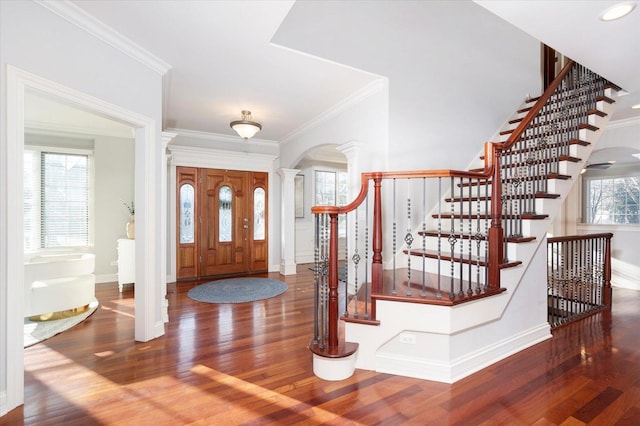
(334, 369)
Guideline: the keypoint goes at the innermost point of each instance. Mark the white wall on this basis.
(35, 40)
(455, 71)
(114, 180)
(365, 120)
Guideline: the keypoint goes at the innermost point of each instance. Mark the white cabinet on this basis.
(126, 262)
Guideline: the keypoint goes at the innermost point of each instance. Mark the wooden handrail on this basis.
(536, 108)
(406, 174)
(607, 235)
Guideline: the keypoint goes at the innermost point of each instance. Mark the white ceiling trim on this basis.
(44, 128)
(353, 99)
(218, 137)
(627, 122)
(85, 21)
(215, 158)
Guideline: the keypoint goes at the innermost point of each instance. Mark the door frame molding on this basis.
(205, 158)
(11, 250)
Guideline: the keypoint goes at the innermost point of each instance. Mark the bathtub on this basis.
(58, 282)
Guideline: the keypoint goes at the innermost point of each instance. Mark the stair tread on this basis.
(466, 236)
(525, 216)
(571, 142)
(538, 195)
(526, 179)
(593, 111)
(605, 99)
(423, 291)
(544, 161)
(580, 126)
(474, 260)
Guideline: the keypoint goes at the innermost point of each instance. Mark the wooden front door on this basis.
(230, 230)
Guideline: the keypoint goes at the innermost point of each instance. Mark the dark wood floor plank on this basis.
(249, 364)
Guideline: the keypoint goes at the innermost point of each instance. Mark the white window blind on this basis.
(64, 200)
(56, 200)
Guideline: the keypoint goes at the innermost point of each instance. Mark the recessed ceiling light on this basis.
(617, 11)
(636, 106)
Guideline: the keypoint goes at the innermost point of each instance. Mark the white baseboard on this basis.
(625, 275)
(500, 350)
(457, 369)
(305, 258)
(158, 329)
(3, 403)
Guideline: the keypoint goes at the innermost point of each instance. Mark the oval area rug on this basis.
(237, 290)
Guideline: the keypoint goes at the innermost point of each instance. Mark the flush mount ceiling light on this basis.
(245, 127)
(636, 106)
(617, 11)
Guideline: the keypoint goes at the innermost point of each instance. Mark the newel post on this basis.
(607, 272)
(376, 262)
(496, 234)
(332, 342)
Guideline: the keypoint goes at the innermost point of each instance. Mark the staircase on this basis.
(463, 280)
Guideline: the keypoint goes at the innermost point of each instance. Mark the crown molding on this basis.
(77, 16)
(634, 121)
(56, 129)
(218, 137)
(348, 102)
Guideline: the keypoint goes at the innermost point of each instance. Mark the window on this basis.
(612, 200)
(258, 214)
(187, 208)
(332, 188)
(225, 218)
(56, 199)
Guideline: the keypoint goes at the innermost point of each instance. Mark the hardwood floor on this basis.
(248, 364)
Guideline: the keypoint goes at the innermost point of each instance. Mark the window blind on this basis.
(64, 200)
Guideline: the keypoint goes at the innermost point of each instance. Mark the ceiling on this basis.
(574, 28)
(224, 60)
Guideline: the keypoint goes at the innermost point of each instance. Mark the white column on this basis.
(288, 222)
(351, 150)
(167, 137)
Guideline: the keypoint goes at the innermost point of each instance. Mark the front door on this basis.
(230, 212)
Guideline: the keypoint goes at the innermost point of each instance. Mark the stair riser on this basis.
(514, 250)
(446, 226)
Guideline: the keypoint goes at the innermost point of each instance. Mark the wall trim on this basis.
(351, 100)
(216, 158)
(457, 369)
(106, 278)
(83, 20)
(626, 122)
(57, 129)
(18, 81)
(218, 137)
(484, 357)
(3, 404)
